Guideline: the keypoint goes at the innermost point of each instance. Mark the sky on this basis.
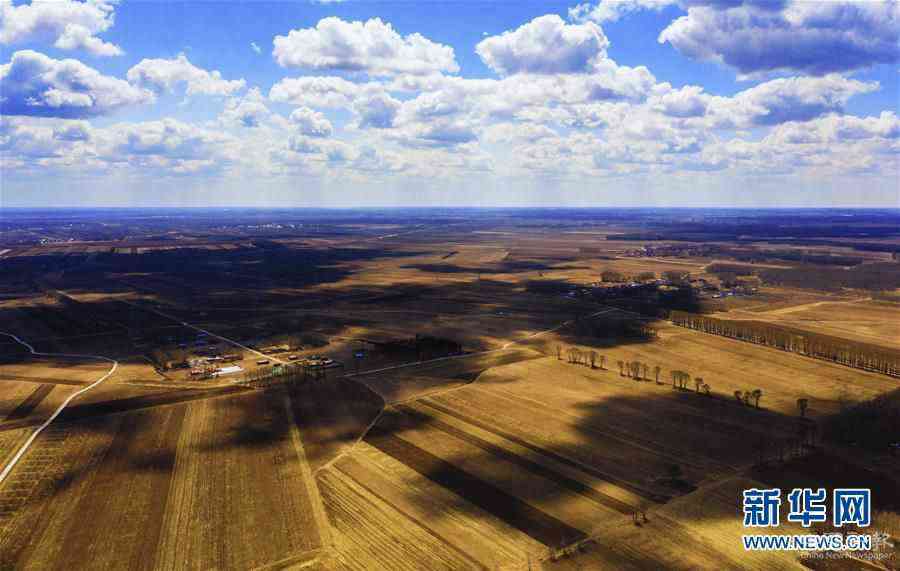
(748, 103)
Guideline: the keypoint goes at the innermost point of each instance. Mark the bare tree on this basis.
(739, 395)
(756, 394)
(698, 383)
(802, 405)
(635, 367)
(593, 357)
(705, 389)
(747, 397)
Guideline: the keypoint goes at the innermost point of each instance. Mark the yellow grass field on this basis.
(867, 320)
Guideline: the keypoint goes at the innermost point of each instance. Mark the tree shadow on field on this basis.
(651, 439)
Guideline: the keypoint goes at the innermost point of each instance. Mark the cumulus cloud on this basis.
(814, 38)
(373, 47)
(37, 85)
(838, 129)
(255, 47)
(311, 123)
(377, 110)
(167, 138)
(73, 131)
(247, 111)
(315, 91)
(163, 75)
(545, 45)
(29, 142)
(612, 10)
(68, 24)
(689, 101)
(788, 99)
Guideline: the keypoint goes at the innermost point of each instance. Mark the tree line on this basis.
(816, 345)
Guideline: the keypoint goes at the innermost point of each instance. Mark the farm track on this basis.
(115, 365)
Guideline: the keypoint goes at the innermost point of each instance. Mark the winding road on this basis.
(24, 448)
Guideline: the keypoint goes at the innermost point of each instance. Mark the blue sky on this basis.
(617, 102)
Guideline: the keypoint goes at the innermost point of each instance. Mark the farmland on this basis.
(451, 391)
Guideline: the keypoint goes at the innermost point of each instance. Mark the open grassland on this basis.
(217, 483)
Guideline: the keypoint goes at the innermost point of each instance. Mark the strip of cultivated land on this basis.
(215, 483)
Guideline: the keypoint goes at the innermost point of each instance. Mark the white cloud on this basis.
(167, 138)
(37, 85)
(373, 47)
(545, 45)
(73, 131)
(165, 74)
(311, 123)
(517, 132)
(255, 47)
(68, 24)
(787, 99)
(689, 101)
(315, 91)
(838, 129)
(612, 10)
(802, 36)
(376, 110)
(247, 111)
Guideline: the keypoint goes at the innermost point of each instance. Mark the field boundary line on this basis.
(349, 448)
(312, 487)
(384, 401)
(24, 448)
(201, 330)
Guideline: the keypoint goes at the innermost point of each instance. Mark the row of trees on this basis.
(672, 276)
(612, 276)
(816, 345)
(680, 379)
(578, 357)
(633, 369)
(744, 397)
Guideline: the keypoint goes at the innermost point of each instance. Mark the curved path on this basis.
(477, 353)
(15, 459)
